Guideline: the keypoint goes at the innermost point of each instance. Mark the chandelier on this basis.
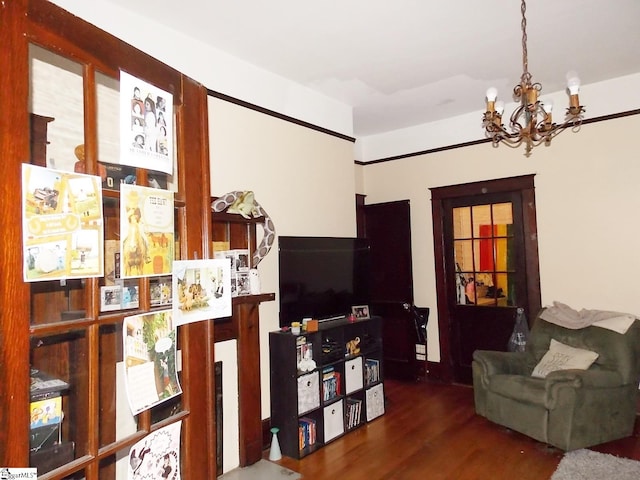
(531, 122)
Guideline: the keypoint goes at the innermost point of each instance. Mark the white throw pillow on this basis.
(563, 357)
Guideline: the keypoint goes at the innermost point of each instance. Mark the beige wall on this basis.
(304, 180)
(587, 211)
(586, 198)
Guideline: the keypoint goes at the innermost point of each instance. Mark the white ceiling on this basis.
(405, 62)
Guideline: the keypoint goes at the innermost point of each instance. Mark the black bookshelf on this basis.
(320, 391)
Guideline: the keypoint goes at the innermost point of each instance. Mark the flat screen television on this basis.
(321, 277)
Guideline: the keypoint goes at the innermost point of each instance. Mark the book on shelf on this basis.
(330, 384)
(44, 385)
(306, 432)
(353, 412)
(372, 370)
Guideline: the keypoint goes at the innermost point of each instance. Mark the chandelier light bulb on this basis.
(499, 107)
(547, 106)
(573, 82)
(492, 94)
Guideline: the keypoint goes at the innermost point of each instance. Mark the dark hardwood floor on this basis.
(430, 431)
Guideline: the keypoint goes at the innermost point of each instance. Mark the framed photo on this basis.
(110, 298)
(361, 311)
(160, 289)
(130, 294)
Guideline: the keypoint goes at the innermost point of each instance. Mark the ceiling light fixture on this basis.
(531, 122)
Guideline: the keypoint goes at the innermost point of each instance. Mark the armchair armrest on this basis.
(585, 378)
(505, 363)
(576, 380)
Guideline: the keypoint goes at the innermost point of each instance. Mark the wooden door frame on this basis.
(521, 184)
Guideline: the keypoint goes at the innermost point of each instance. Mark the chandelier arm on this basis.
(514, 124)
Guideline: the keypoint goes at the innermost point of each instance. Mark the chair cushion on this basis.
(519, 387)
(563, 357)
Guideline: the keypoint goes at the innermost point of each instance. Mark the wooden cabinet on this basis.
(57, 327)
(322, 389)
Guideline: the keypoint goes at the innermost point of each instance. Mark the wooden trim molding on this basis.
(485, 140)
(281, 116)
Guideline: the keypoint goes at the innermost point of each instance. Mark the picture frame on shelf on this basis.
(361, 312)
(110, 298)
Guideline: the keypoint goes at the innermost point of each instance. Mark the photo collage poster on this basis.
(201, 290)
(63, 224)
(146, 125)
(149, 343)
(146, 231)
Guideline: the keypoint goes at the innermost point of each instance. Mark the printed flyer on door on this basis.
(156, 456)
(149, 342)
(62, 228)
(146, 125)
(201, 290)
(146, 231)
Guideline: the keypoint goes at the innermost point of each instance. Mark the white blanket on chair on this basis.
(567, 317)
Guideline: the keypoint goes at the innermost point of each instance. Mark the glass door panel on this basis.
(56, 92)
(57, 128)
(116, 420)
(116, 293)
(483, 250)
(59, 405)
(108, 127)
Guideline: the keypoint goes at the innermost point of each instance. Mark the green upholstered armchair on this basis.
(568, 409)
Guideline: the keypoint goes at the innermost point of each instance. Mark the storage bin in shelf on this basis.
(375, 402)
(353, 375)
(308, 392)
(333, 421)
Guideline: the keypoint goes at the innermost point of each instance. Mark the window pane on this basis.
(108, 118)
(484, 255)
(56, 92)
(462, 222)
(464, 255)
(502, 214)
(116, 420)
(482, 221)
(59, 406)
(483, 250)
(505, 291)
(115, 293)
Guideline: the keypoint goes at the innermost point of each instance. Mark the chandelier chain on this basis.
(526, 76)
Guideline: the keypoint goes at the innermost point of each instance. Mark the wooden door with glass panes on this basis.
(490, 274)
(488, 252)
(68, 327)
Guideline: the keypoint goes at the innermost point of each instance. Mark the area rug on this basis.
(589, 465)
(263, 470)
